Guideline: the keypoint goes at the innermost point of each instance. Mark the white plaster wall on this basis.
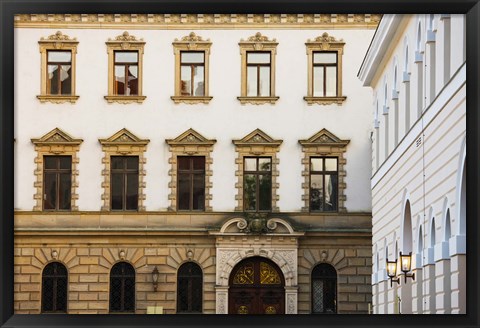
(224, 119)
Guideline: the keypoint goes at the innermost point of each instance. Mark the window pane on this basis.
(316, 192)
(318, 82)
(126, 56)
(53, 79)
(317, 164)
(252, 81)
(50, 191)
(249, 192)
(132, 162)
(64, 193)
(330, 164)
(183, 191)
(129, 301)
(198, 80)
(331, 81)
(60, 56)
(264, 81)
(50, 162)
(324, 57)
(330, 193)
(116, 189)
(197, 294)
(182, 295)
(317, 294)
(183, 163)
(132, 191)
(115, 294)
(265, 192)
(65, 79)
(198, 192)
(119, 79)
(47, 294)
(186, 81)
(116, 162)
(258, 57)
(61, 305)
(192, 57)
(198, 163)
(132, 88)
(250, 164)
(65, 162)
(264, 164)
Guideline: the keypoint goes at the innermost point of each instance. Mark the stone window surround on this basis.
(324, 43)
(123, 143)
(124, 42)
(190, 143)
(324, 143)
(258, 42)
(257, 143)
(55, 142)
(191, 42)
(60, 42)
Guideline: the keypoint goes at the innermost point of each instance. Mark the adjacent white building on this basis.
(416, 68)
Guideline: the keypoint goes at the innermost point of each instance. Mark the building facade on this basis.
(416, 68)
(192, 164)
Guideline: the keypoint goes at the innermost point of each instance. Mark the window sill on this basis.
(58, 99)
(324, 100)
(191, 99)
(121, 99)
(257, 100)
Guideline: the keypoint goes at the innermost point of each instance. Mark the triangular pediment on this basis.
(190, 137)
(124, 137)
(257, 137)
(324, 137)
(57, 136)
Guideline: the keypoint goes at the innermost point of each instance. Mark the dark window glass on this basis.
(257, 184)
(191, 183)
(189, 288)
(192, 71)
(258, 74)
(57, 182)
(59, 66)
(54, 288)
(126, 73)
(323, 184)
(122, 288)
(124, 182)
(324, 289)
(325, 69)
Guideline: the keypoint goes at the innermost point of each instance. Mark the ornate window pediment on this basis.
(190, 137)
(124, 137)
(58, 72)
(324, 138)
(259, 138)
(320, 64)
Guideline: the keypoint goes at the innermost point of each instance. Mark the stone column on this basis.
(291, 300)
(221, 299)
(458, 274)
(442, 279)
(417, 286)
(429, 306)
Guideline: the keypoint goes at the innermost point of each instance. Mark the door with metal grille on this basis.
(54, 288)
(324, 289)
(122, 288)
(256, 287)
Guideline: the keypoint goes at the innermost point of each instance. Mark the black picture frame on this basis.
(8, 8)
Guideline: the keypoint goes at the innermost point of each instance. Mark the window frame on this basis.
(324, 43)
(257, 43)
(57, 42)
(257, 172)
(124, 43)
(57, 172)
(190, 287)
(124, 172)
(122, 277)
(126, 66)
(55, 278)
(324, 66)
(191, 172)
(258, 66)
(323, 173)
(191, 43)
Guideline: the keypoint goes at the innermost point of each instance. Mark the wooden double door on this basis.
(256, 287)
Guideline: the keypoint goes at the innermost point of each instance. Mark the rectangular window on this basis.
(124, 182)
(325, 74)
(57, 182)
(59, 66)
(191, 183)
(257, 184)
(258, 74)
(192, 65)
(125, 73)
(323, 184)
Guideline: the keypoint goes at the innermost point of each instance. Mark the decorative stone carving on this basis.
(125, 36)
(59, 36)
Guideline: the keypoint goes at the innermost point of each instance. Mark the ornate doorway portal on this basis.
(256, 287)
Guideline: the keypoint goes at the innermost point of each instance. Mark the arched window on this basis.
(54, 288)
(432, 234)
(324, 289)
(122, 288)
(189, 288)
(448, 229)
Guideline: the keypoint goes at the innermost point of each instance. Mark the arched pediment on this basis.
(257, 225)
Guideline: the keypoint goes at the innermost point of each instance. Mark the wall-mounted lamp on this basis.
(406, 265)
(392, 272)
(155, 278)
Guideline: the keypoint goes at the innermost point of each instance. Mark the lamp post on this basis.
(392, 272)
(155, 278)
(406, 265)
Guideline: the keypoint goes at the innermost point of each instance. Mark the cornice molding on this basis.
(190, 21)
